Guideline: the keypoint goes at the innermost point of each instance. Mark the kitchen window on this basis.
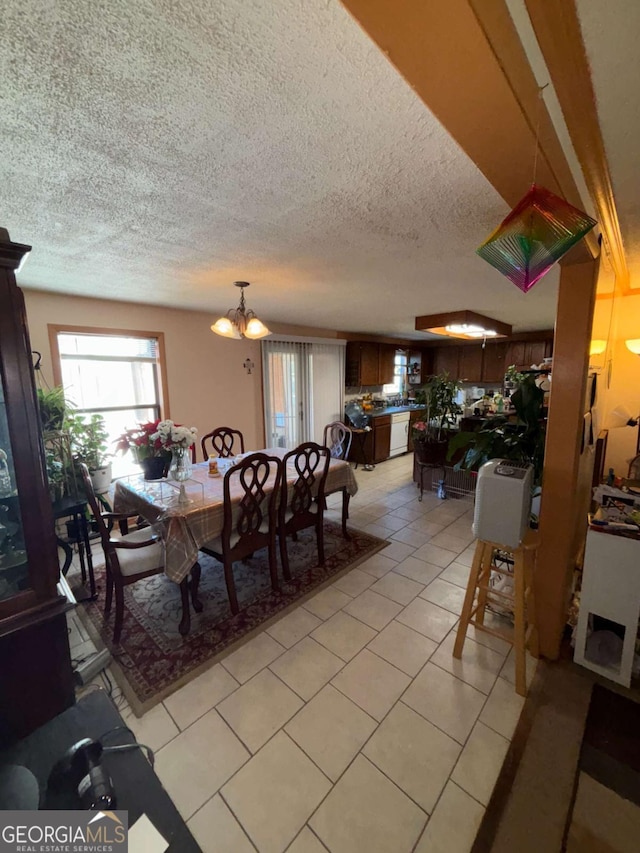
(399, 375)
(116, 373)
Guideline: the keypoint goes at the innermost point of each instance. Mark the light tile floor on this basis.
(347, 726)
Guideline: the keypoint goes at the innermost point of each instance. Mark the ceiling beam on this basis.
(464, 59)
(557, 29)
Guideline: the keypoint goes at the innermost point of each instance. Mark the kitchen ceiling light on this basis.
(468, 330)
(240, 322)
(463, 324)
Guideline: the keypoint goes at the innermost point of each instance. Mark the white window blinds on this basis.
(303, 390)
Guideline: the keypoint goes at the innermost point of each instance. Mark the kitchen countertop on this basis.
(393, 410)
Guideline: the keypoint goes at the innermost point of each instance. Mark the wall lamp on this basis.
(633, 345)
(240, 322)
(597, 347)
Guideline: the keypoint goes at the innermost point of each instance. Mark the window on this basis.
(114, 373)
(399, 375)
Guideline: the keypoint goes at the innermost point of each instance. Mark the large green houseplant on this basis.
(89, 444)
(520, 437)
(431, 436)
(52, 407)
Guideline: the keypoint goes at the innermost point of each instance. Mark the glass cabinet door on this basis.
(14, 567)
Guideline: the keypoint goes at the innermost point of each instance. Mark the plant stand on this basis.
(361, 438)
(68, 507)
(429, 456)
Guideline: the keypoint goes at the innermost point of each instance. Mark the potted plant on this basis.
(52, 407)
(431, 435)
(89, 444)
(520, 437)
(147, 448)
(55, 474)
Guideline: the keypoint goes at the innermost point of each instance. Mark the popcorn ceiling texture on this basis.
(156, 151)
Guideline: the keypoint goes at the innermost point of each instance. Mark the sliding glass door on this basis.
(303, 390)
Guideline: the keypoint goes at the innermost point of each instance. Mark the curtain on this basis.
(303, 389)
(327, 387)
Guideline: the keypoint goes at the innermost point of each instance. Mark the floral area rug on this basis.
(153, 660)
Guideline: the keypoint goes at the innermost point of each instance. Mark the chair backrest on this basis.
(337, 437)
(225, 441)
(251, 519)
(305, 473)
(105, 536)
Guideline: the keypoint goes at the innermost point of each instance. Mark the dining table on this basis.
(188, 515)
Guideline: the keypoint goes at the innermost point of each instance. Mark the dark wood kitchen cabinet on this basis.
(369, 367)
(369, 363)
(446, 359)
(525, 353)
(386, 363)
(375, 444)
(470, 364)
(37, 680)
(381, 437)
(494, 362)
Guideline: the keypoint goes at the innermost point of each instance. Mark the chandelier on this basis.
(240, 322)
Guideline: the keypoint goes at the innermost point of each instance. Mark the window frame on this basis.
(400, 373)
(56, 363)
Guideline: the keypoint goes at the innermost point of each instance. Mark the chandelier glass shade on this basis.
(240, 322)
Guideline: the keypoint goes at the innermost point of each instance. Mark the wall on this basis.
(207, 383)
(615, 321)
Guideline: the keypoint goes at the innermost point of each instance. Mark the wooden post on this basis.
(559, 514)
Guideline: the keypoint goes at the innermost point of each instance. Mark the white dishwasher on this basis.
(399, 433)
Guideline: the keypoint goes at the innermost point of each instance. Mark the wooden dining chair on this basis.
(302, 500)
(250, 494)
(337, 437)
(131, 558)
(225, 442)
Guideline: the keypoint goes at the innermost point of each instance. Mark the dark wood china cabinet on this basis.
(36, 680)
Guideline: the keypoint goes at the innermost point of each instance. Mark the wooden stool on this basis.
(521, 603)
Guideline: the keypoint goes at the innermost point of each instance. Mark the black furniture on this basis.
(138, 789)
(37, 680)
(361, 429)
(76, 510)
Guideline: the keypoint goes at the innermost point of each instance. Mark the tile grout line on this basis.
(344, 664)
(235, 817)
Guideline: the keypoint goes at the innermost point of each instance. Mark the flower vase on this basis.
(153, 467)
(180, 468)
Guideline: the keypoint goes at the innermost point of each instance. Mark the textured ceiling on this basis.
(611, 41)
(156, 151)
